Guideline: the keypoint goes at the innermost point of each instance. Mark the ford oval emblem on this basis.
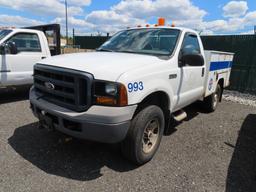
(49, 86)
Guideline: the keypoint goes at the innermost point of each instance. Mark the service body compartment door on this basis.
(218, 67)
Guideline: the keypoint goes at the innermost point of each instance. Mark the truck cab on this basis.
(20, 49)
(129, 90)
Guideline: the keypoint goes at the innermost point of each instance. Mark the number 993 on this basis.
(136, 86)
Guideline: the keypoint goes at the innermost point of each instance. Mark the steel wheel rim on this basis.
(150, 135)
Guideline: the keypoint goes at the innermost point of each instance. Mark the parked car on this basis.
(20, 49)
(130, 88)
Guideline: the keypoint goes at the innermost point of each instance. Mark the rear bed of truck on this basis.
(218, 68)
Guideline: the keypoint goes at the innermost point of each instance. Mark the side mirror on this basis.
(190, 56)
(12, 47)
(192, 60)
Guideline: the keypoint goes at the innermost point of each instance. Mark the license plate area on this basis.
(47, 120)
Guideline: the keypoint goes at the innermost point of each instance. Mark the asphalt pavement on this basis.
(207, 152)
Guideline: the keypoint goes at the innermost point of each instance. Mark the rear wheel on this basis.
(144, 136)
(211, 102)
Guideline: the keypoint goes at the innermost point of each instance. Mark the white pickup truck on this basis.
(20, 49)
(129, 90)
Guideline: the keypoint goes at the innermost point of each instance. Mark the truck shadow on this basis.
(192, 111)
(74, 159)
(9, 95)
(242, 168)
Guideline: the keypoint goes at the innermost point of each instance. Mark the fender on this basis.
(149, 80)
(152, 86)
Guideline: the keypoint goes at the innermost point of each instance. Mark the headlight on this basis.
(110, 94)
(111, 89)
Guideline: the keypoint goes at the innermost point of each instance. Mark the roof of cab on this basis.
(25, 30)
(165, 27)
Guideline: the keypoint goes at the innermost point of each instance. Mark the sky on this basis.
(109, 16)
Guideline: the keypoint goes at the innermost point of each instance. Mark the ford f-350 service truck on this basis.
(21, 48)
(130, 88)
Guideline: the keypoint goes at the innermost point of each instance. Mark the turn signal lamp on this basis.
(103, 100)
(123, 97)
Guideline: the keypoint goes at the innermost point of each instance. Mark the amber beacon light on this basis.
(161, 21)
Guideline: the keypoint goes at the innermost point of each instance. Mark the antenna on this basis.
(66, 11)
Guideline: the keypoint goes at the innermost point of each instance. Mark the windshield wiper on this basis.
(106, 50)
(142, 53)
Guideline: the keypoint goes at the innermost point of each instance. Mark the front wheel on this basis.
(211, 102)
(144, 135)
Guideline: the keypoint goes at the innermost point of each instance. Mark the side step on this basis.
(179, 115)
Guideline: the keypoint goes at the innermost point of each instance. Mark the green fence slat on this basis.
(90, 42)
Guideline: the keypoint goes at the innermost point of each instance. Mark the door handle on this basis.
(5, 71)
(203, 70)
(43, 57)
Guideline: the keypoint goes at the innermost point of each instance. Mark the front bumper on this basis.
(98, 123)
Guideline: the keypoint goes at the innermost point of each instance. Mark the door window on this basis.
(26, 42)
(191, 42)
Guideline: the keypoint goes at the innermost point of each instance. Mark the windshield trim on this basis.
(170, 55)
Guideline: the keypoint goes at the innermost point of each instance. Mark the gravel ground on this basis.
(242, 98)
(207, 152)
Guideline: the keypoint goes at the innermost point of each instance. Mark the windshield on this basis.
(3, 33)
(143, 41)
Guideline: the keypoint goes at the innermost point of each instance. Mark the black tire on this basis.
(133, 147)
(211, 102)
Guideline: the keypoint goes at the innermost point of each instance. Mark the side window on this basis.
(191, 42)
(26, 42)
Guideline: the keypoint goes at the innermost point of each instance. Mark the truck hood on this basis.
(103, 65)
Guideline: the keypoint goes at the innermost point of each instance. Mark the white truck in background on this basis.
(130, 88)
(20, 49)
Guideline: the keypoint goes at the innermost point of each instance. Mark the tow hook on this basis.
(43, 125)
(45, 121)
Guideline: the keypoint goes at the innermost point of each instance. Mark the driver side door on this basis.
(191, 86)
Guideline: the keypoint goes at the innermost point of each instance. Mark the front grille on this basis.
(68, 88)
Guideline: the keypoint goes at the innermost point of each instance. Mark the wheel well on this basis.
(159, 98)
(221, 83)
